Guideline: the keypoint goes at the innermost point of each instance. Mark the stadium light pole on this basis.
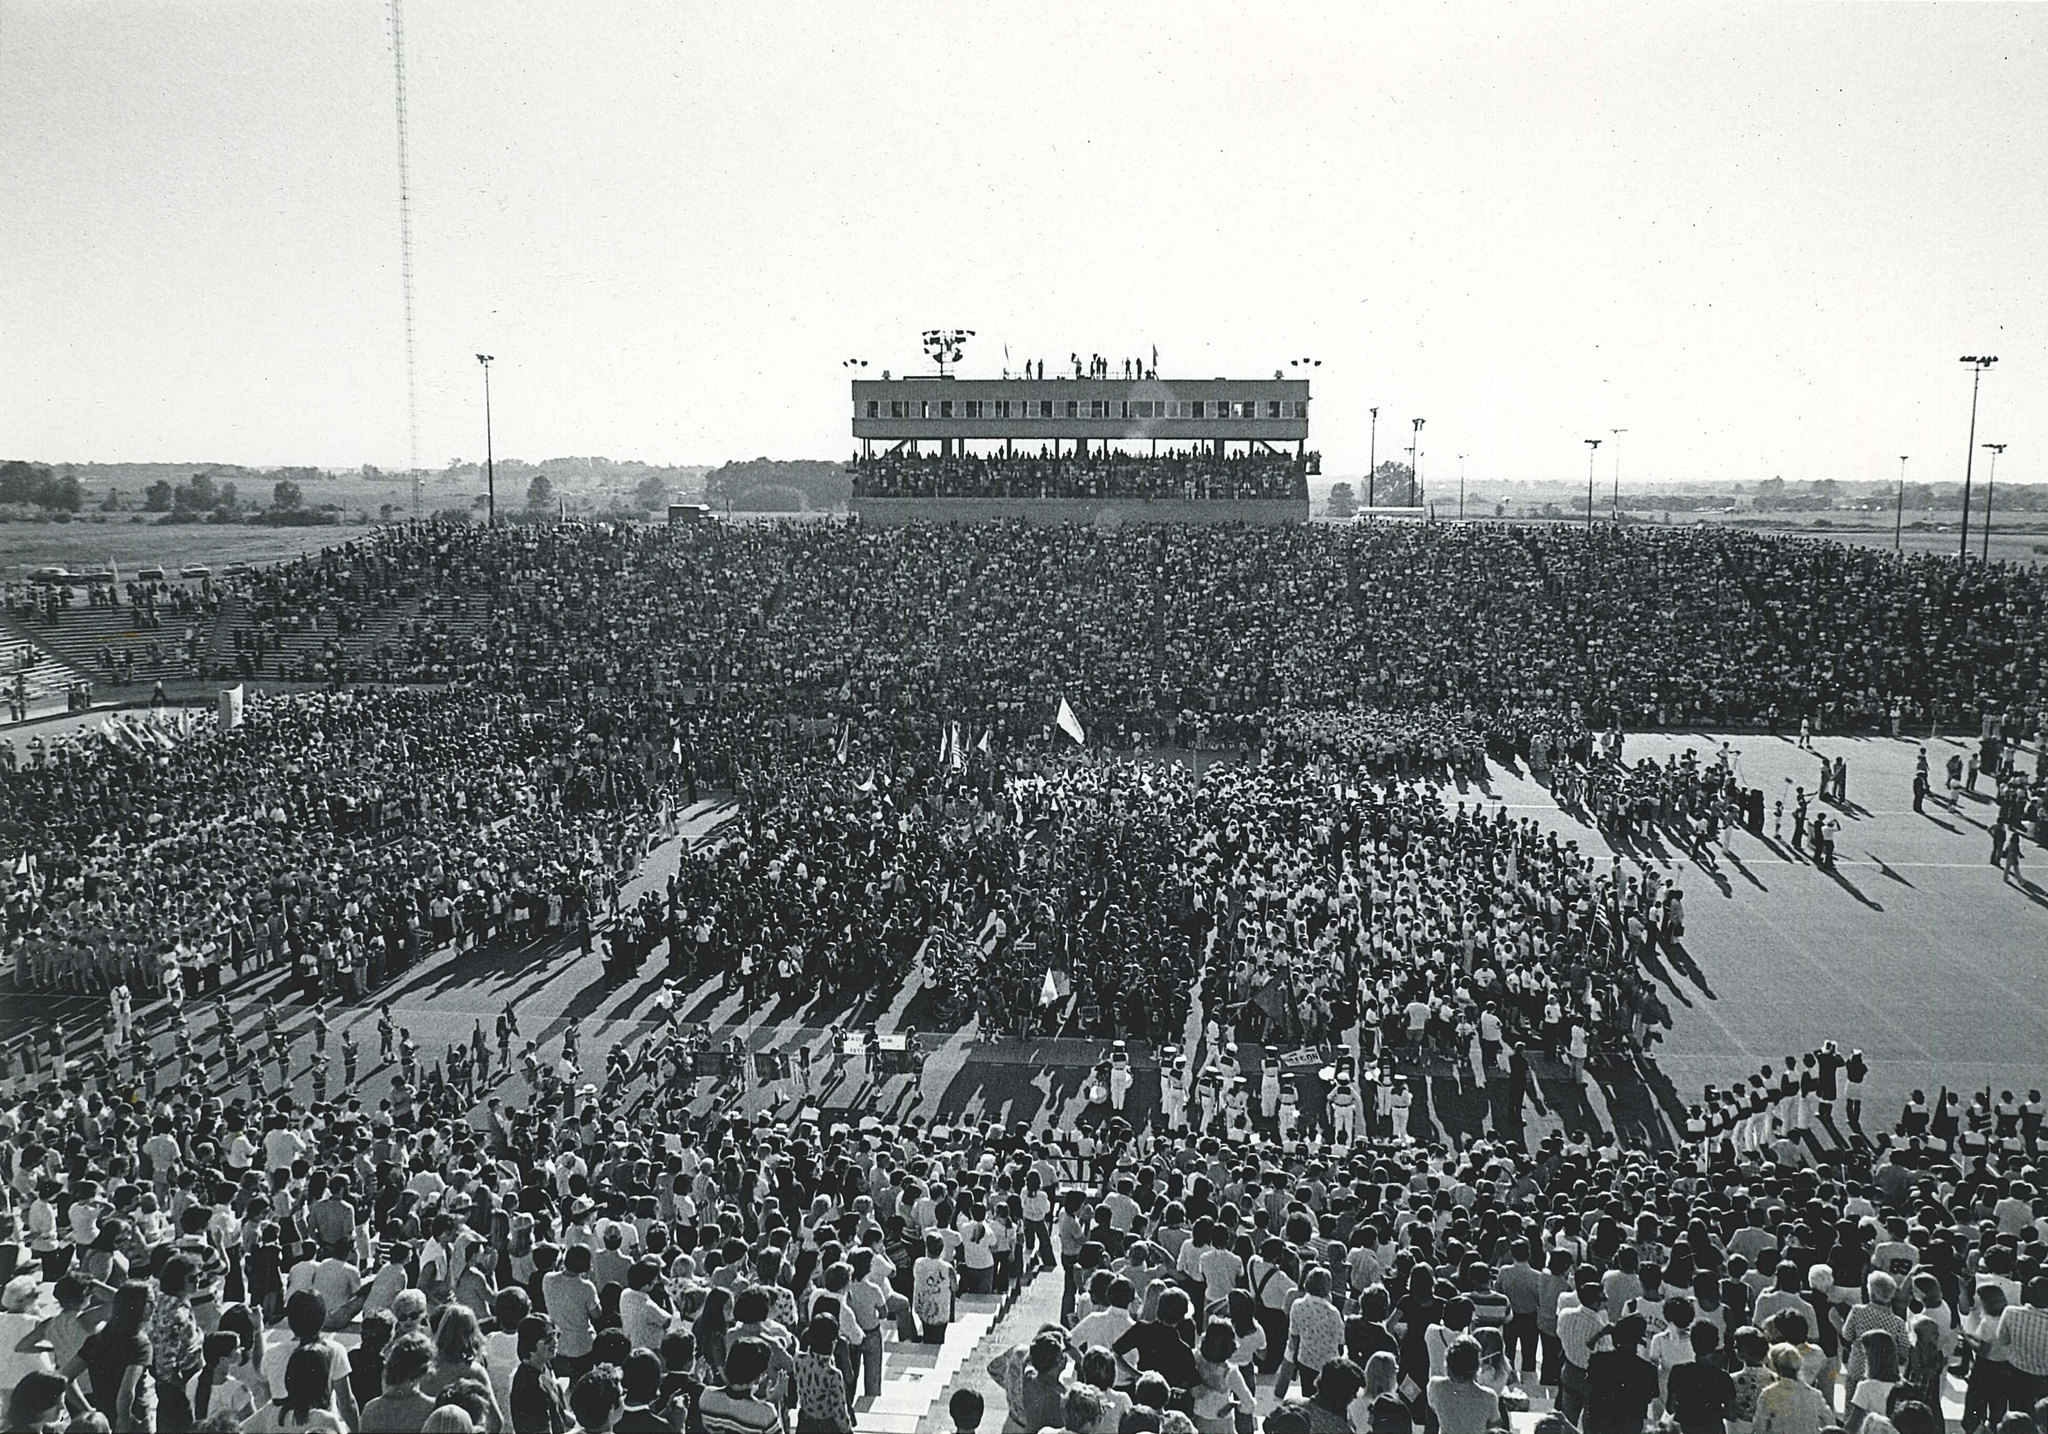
(1617, 432)
(1461, 487)
(1372, 453)
(1592, 452)
(490, 460)
(1415, 466)
(1990, 481)
(1978, 363)
(1899, 513)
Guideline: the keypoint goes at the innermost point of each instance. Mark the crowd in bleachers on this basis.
(349, 833)
(251, 1264)
(1193, 475)
(558, 1267)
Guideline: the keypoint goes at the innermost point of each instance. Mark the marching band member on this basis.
(1120, 1076)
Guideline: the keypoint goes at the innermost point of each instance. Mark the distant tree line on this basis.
(37, 485)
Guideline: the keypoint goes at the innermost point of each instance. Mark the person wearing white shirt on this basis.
(645, 1322)
(1106, 1324)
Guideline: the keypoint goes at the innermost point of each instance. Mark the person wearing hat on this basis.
(1173, 1091)
(1237, 1102)
(1269, 1087)
(1399, 1101)
(1287, 1112)
(1344, 1112)
(1208, 1098)
(1120, 1076)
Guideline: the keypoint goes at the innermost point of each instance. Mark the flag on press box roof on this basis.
(1068, 723)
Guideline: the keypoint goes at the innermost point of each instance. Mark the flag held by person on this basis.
(1068, 723)
(846, 731)
(956, 760)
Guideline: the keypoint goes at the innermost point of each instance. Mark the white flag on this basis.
(1068, 723)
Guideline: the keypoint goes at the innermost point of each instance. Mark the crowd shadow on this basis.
(2029, 889)
(1747, 875)
(1834, 870)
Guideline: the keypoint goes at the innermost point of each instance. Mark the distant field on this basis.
(2013, 543)
(85, 544)
(2005, 547)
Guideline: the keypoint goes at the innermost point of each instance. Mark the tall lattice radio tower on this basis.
(412, 396)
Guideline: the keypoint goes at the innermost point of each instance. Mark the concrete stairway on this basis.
(47, 674)
(917, 1379)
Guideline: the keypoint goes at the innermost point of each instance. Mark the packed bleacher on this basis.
(1193, 475)
(255, 1265)
(197, 1248)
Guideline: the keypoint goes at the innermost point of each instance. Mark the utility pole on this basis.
(490, 460)
(1592, 451)
(1899, 515)
(1372, 448)
(1990, 479)
(1461, 487)
(1978, 363)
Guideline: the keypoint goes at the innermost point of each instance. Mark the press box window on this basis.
(895, 408)
(874, 408)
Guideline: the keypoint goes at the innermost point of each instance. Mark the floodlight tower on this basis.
(1415, 465)
(1899, 514)
(1592, 452)
(490, 461)
(1372, 453)
(1978, 363)
(1990, 480)
(946, 345)
(1617, 432)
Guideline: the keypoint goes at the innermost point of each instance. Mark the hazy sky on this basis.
(1756, 237)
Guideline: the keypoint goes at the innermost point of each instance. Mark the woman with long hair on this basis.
(459, 1355)
(1223, 1402)
(116, 1361)
(176, 1347)
(1871, 1393)
(713, 1325)
(307, 1403)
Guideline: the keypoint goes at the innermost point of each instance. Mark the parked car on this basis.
(149, 575)
(236, 570)
(50, 575)
(195, 570)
